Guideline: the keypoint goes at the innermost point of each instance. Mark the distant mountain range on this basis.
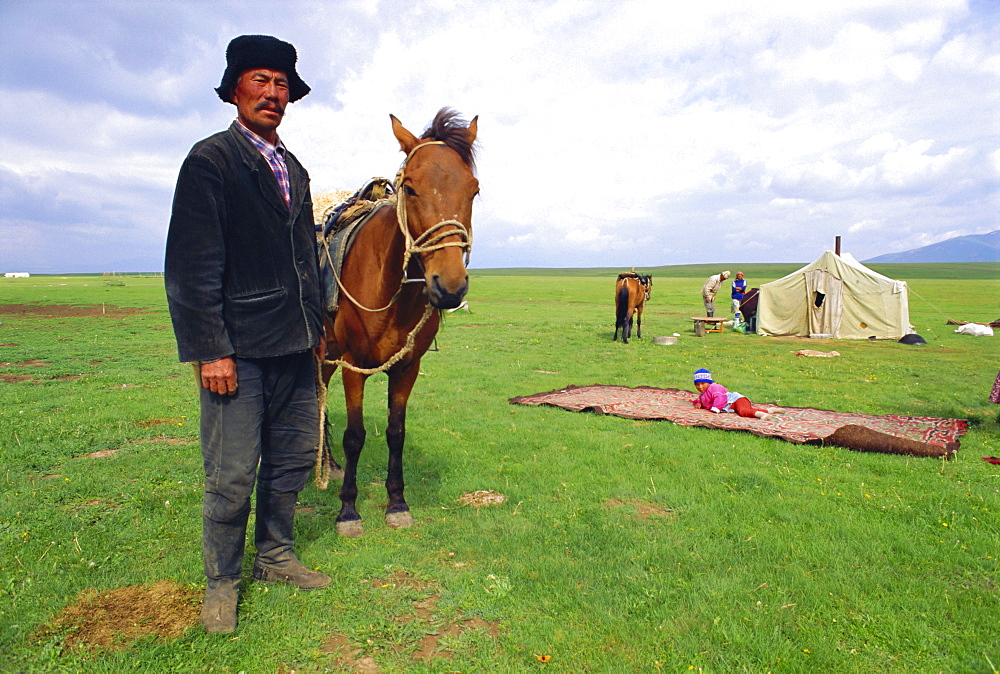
(971, 248)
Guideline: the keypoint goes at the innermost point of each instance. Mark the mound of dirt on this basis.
(643, 509)
(483, 497)
(113, 620)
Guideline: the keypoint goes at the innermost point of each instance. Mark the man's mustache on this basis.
(266, 105)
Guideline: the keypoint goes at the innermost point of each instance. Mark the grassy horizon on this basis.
(769, 270)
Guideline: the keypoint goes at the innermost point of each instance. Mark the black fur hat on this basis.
(260, 51)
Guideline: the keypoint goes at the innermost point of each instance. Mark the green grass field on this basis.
(623, 546)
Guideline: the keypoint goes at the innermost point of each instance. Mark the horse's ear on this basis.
(407, 141)
(473, 129)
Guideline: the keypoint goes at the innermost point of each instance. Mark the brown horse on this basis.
(631, 293)
(406, 264)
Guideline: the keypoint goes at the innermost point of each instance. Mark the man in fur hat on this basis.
(242, 283)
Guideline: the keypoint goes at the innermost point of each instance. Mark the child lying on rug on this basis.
(716, 398)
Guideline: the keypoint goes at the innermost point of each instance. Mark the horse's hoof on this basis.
(337, 474)
(351, 529)
(401, 520)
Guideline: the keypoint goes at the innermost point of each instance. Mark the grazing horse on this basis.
(406, 264)
(631, 293)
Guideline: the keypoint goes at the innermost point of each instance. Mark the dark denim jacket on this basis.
(241, 269)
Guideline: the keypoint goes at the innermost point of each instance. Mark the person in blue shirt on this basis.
(739, 290)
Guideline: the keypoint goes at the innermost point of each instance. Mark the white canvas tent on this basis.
(835, 296)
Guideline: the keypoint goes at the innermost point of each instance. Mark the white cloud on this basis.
(864, 225)
(858, 54)
(912, 163)
(601, 124)
(590, 238)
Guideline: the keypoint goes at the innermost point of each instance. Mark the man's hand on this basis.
(219, 376)
(320, 349)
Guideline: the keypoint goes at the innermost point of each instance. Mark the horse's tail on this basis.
(621, 305)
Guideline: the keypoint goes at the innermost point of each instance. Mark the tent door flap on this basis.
(825, 301)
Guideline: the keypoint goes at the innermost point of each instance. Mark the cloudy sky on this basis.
(613, 133)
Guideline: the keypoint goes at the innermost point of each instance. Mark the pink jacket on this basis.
(715, 398)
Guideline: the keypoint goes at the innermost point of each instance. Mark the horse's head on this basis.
(647, 284)
(434, 191)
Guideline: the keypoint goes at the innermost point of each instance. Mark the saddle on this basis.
(642, 279)
(340, 228)
(356, 206)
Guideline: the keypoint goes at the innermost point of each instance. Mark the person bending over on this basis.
(710, 288)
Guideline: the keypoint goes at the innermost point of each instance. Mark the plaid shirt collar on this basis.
(275, 156)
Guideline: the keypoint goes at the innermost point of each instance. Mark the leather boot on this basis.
(222, 547)
(218, 613)
(275, 562)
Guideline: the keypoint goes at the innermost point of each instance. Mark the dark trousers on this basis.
(266, 434)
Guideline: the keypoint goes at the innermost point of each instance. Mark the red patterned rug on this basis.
(797, 424)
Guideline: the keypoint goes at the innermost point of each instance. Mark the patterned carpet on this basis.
(798, 424)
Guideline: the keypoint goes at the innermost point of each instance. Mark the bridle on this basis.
(431, 239)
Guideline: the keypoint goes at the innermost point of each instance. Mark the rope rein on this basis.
(396, 357)
(324, 459)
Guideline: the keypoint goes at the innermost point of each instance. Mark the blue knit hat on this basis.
(702, 375)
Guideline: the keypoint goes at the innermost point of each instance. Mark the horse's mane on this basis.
(449, 128)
